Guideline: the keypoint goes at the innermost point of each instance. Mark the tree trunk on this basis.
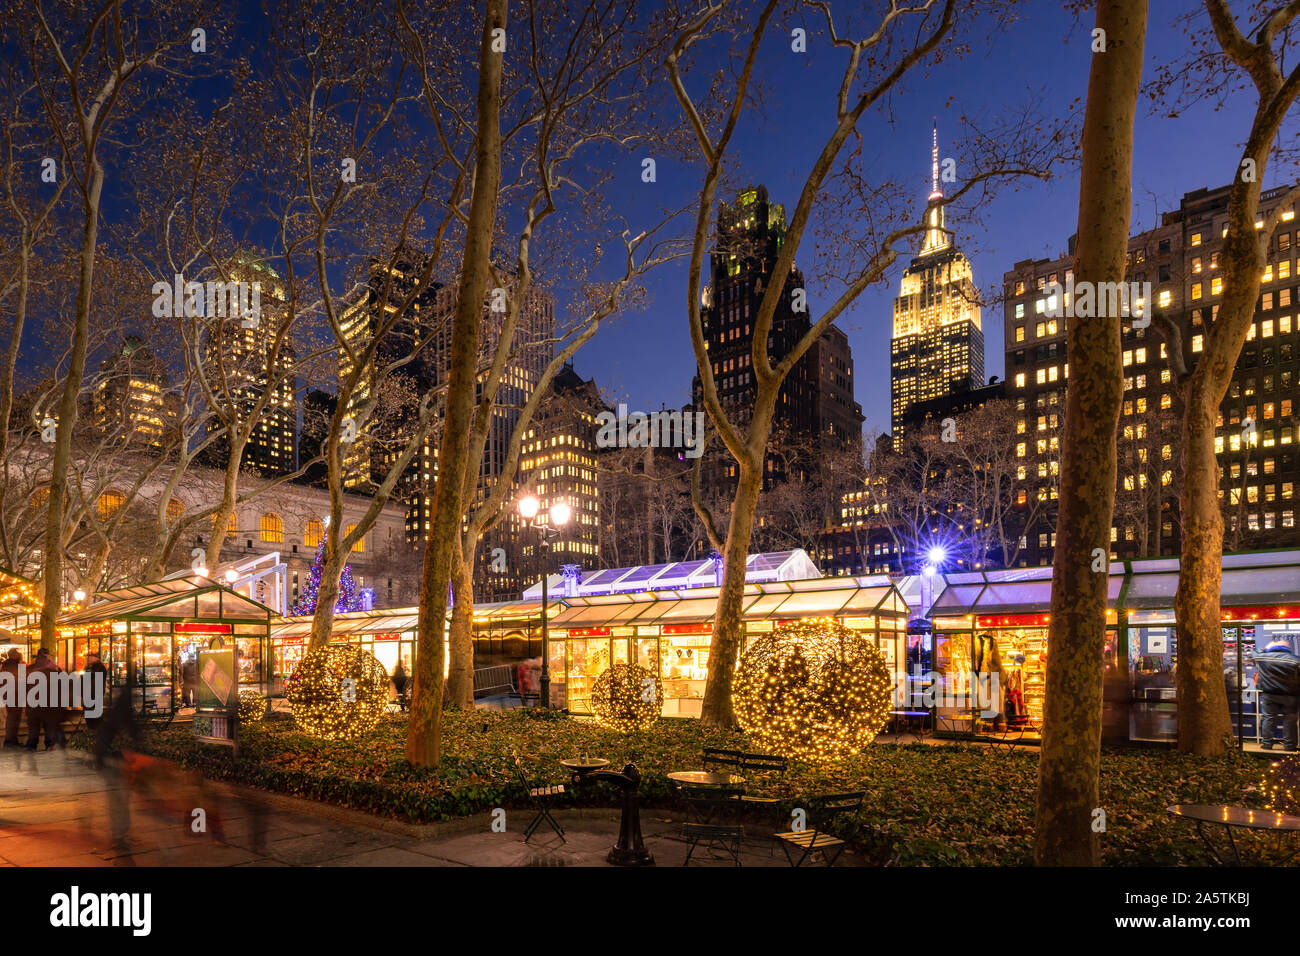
(460, 675)
(1204, 727)
(424, 730)
(724, 647)
(53, 573)
(1070, 759)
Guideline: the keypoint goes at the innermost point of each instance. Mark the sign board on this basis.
(217, 682)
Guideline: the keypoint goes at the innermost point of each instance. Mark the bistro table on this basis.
(1229, 817)
(705, 778)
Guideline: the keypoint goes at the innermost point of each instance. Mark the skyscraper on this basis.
(937, 348)
(425, 329)
(131, 400)
(245, 359)
(816, 400)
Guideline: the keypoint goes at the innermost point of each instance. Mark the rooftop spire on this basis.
(936, 237)
(935, 191)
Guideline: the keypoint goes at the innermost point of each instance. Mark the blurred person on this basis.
(13, 713)
(1277, 676)
(95, 666)
(47, 719)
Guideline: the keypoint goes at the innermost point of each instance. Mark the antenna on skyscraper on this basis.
(935, 191)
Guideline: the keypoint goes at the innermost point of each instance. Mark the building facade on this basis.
(1258, 426)
(816, 401)
(937, 346)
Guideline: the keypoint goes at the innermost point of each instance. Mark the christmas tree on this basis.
(349, 594)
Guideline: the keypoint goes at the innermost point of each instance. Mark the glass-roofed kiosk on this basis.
(999, 620)
(146, 634)
(668, 630)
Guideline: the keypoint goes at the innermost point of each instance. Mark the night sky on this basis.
(646, 359)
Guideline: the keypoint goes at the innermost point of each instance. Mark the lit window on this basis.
(360, 546)
(108, 504)
(271, 527)
(312, 533)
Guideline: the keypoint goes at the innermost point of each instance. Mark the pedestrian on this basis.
(1277, 677)
(13, 713)
(399, 684)
(47, 717)
(189, 682)
(95, 666)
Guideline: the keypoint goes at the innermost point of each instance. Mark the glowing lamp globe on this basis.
(937, 554)
(560, 514)
(251, 707)
(627, 697)
(337, 692)
(813, 690)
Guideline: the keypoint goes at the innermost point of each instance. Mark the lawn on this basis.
(961, 805)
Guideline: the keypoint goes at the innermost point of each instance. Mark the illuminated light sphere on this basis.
(627, 697)
(1280, 785)
(937, 554)
(337, 692)
(252, 707)
(560, 514)
(528, 507)
(813, 690)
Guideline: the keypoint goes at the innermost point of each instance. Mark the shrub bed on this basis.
(925, 805)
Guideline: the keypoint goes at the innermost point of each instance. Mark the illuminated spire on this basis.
(936, 238)
(935, 191)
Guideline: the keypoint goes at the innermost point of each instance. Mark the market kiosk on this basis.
(148, 634)
(1259, 601)
(993, 624)
(669, 632)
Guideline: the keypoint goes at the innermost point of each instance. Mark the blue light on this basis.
(937, 554)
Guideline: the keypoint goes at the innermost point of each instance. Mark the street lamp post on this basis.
(557, 517)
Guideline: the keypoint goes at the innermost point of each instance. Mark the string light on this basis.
(337, 692)
(251, 707)
(1281, 785)
(627, 697)
(813, 689)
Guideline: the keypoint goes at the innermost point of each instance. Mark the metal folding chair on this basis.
(541, 798)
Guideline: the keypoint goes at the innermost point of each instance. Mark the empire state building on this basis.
(937, 348)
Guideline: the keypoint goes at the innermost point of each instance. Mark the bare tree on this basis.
(902, 39)
(1069, 766)
(1215, 70)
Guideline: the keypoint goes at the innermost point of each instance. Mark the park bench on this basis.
(491, 681)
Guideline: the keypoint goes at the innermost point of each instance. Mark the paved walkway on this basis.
(57, 810)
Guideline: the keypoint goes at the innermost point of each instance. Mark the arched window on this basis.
(232, 525)
(312, 533)
(108, 504)
(272, 528)
(174, 510)
(360, 546)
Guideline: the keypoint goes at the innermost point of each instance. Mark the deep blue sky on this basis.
(646, 359)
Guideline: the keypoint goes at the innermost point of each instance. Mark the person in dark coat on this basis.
(1277, 677)
(47, 718)
(13, 714)
(189, 682)
(95, 666)
(399, 684)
